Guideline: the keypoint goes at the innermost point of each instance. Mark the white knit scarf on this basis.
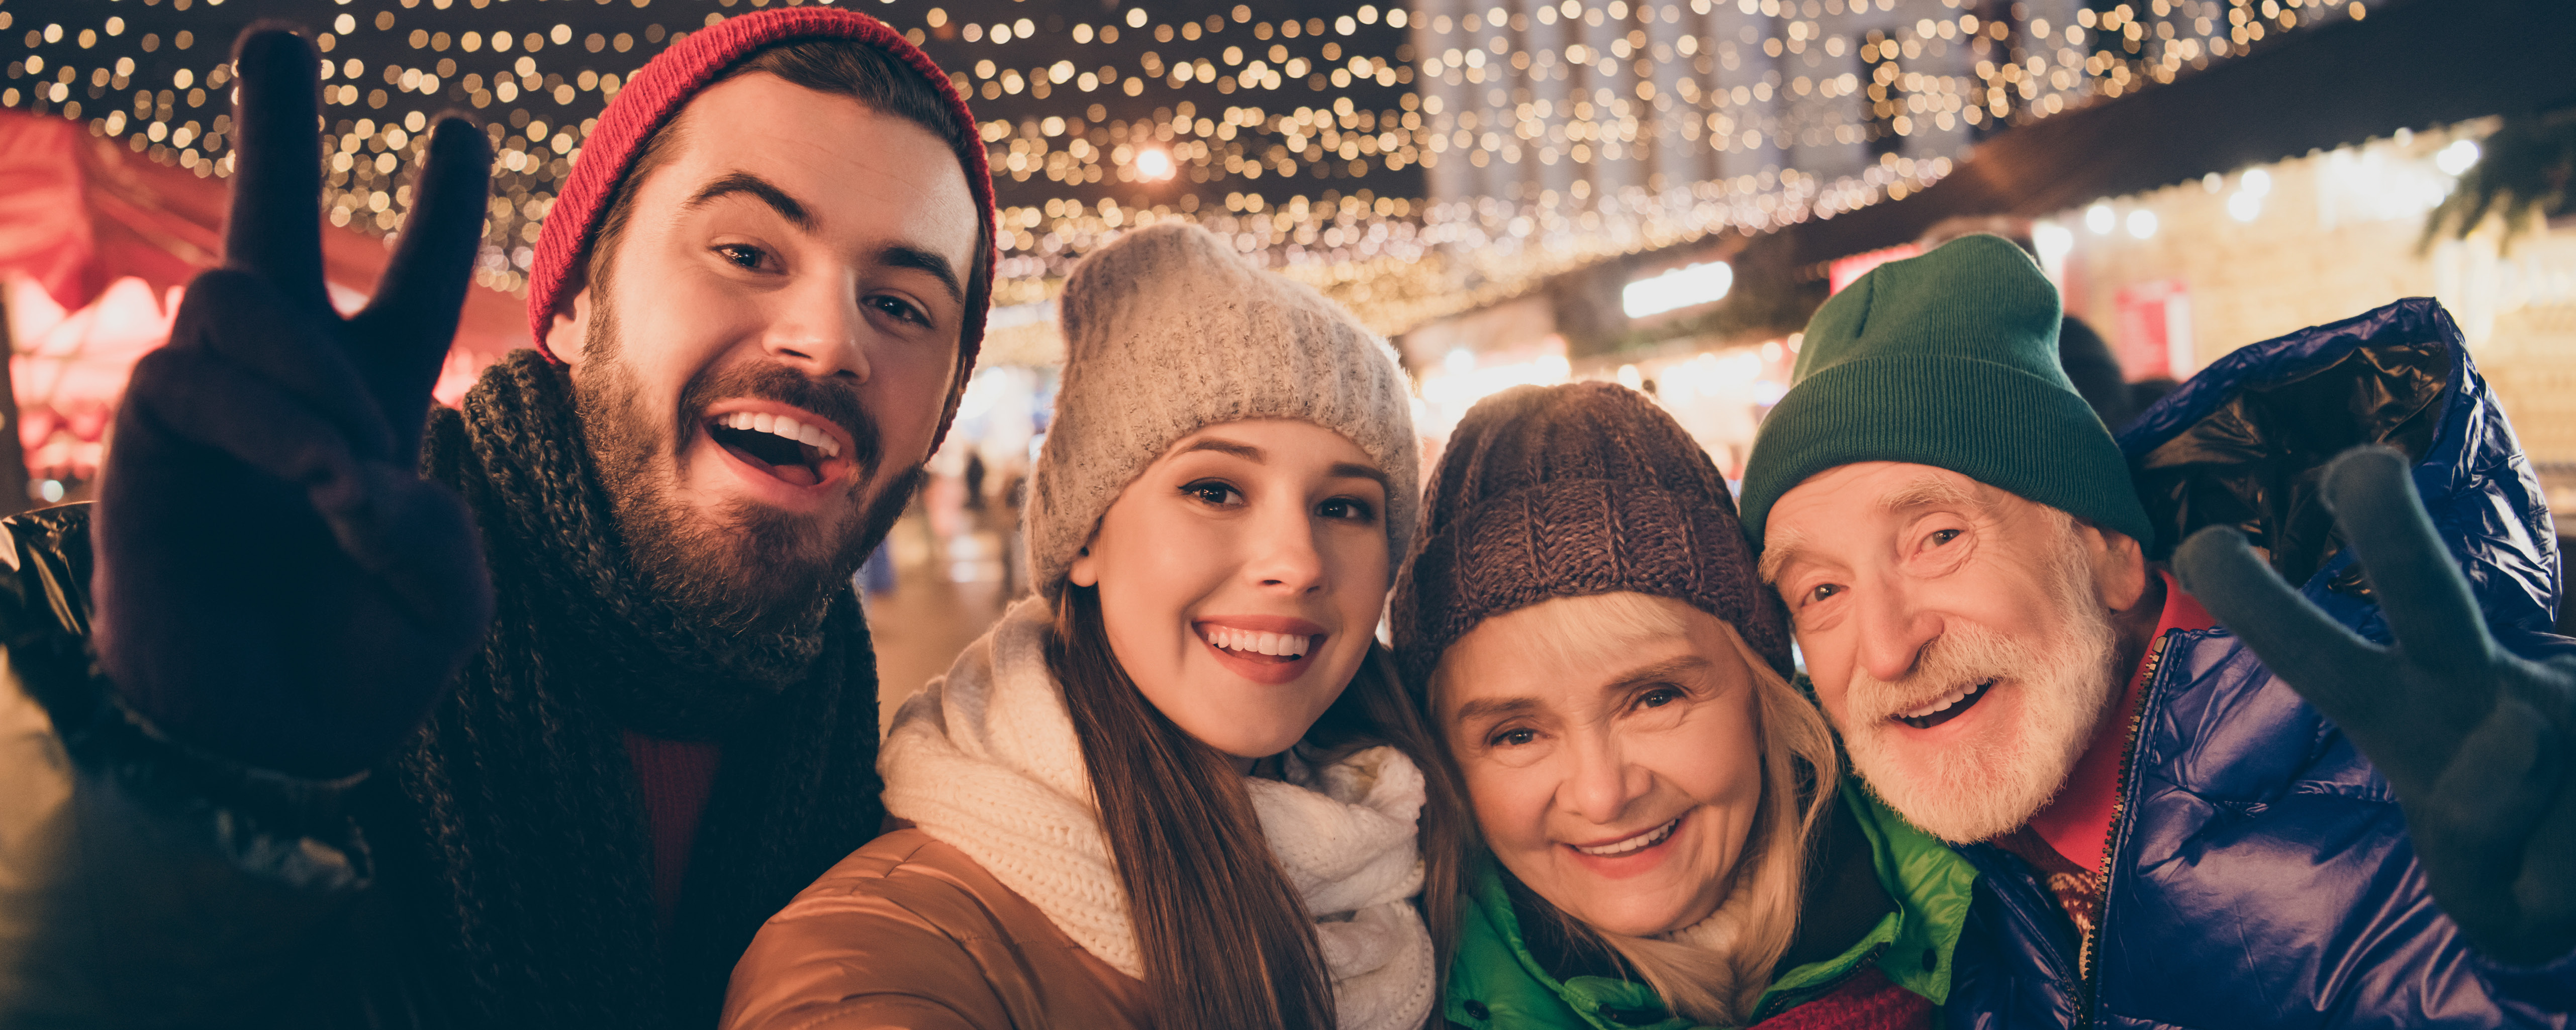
(986, 761)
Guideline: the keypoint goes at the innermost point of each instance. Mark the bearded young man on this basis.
(541, 733)
(2272, 824)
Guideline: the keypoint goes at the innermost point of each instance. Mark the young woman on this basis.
(1663, 843)
(1183, 785)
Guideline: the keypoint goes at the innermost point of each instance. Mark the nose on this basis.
(819, 330)
(1285, 557)
(1892, 631)
(1603, 783)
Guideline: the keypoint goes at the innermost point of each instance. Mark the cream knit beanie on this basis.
(1168, 331)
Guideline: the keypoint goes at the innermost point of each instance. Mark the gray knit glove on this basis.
(2474, 740)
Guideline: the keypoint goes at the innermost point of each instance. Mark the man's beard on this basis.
(752, 568)
(1990, 780)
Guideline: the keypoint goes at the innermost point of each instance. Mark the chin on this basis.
(1626, 923)
(1248, 746)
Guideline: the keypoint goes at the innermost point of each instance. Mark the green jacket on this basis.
(1496, 984)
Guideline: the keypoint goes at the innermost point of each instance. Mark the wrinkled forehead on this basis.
(1861, 502)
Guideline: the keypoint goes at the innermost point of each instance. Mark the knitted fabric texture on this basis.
(986, 760)
(1948, 360)
(1568, 491)
(511, 830)
(664, 86)
(1168, 331)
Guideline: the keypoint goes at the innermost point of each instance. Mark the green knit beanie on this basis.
(1948, 360)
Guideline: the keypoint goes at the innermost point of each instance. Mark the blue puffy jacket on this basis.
(2260, 873)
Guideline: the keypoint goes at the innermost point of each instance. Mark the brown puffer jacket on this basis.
(909, 932)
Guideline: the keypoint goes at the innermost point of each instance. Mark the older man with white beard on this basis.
(2275, 823)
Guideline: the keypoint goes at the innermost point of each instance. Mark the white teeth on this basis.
(1288, 644)
(780, 425)
(1942, 703)
(1641, 841)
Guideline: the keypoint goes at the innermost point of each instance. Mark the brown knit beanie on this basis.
(1566, 491)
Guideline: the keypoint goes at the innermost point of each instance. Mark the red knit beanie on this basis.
(669, 80)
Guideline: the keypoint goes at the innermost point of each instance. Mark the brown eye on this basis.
(900, 310)
(1214, 493)
(1943, 536)
(742, 255)
(1347, 508)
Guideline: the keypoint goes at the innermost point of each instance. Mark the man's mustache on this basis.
(831, 399)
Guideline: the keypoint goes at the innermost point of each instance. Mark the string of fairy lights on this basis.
(1311, 138)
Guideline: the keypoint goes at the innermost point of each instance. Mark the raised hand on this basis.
(275, 583)
(2475, 741)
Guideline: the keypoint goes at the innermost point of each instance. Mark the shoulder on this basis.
(910, 925)
(2226, 728)
(45, 609)
(1494, 983)
(906, 885)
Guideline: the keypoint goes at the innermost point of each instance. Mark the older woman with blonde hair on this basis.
(1663, 841)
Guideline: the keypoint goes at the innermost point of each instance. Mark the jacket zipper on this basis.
(2088, 961)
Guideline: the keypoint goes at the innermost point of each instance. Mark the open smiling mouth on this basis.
(792, 451)
(1946, 707)
(1631, 845)
(1274, 648)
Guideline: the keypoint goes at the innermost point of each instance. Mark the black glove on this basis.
(2475, 741)
(275, 583)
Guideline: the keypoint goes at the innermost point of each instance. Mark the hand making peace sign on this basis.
(275, 582)
(2475, 741)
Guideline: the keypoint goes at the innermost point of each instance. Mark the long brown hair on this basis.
(1224, 937)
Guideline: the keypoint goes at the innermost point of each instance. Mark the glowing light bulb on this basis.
(2052, 240)
(1678, 289)
(1154, 164)
(2100, 219)
(2142, 223)
(2457, 158)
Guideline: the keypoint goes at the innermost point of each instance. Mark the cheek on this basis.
(1510, 805)
(1148, 580)
(675, 330)
(1360, 578)
(907, 389)
(1829, 665)
(1718, 761)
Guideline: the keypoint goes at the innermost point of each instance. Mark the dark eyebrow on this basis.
(1244, 451)
(1355, 470)
(900, 256)
(788, 207)
(794, 211)
(1255, 455)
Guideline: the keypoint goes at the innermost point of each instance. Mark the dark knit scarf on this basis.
(518, 832)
